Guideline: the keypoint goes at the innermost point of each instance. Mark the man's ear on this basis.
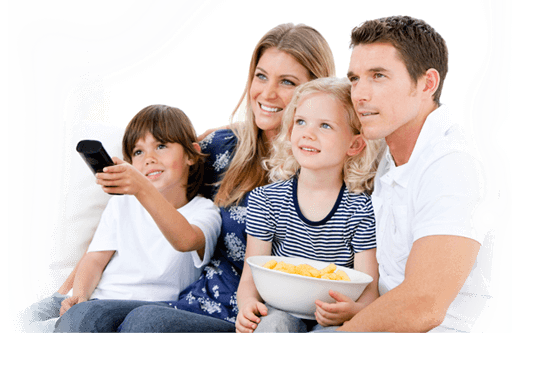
(356, 146)
(432, 81)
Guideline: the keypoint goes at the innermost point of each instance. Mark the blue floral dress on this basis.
(215, 292)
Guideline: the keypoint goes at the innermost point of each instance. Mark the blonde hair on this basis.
(246, 171)
(358, 170)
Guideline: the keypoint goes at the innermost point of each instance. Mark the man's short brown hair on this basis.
(418, 44)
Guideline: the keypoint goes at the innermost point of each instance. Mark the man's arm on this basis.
(436, 269)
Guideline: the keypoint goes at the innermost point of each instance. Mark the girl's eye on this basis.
(300, 122)
(326, 126)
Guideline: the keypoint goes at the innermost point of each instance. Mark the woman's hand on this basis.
(335, 314)
(249, 316)
(122, 178)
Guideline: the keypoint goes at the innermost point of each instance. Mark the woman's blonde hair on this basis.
(246, 171)
(358, 171)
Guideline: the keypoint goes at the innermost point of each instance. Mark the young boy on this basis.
(153, 240)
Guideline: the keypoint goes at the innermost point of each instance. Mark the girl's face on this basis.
(321, 136)
(276, 76)
(166, 165)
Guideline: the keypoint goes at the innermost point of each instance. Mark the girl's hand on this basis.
(335, 314)
(248, 317)
(70, 302)
(122, 178)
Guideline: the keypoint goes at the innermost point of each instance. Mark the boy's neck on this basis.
(176, 198)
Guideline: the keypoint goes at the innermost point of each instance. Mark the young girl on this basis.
(155, 239)
(318, 207)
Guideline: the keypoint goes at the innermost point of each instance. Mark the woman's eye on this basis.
(288, 82)
(261, 76)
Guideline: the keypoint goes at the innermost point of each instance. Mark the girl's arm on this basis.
(335, 314)
(87, 277)
(249, 301)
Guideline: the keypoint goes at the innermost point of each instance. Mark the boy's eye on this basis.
(161, 146)
(136, 153)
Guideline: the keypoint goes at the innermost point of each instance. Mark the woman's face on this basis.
(276, 76)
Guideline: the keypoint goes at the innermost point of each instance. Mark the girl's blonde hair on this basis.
(358, 170)
(246, 171)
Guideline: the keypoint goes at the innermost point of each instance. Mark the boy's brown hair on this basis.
(417, 43)
(167, 125)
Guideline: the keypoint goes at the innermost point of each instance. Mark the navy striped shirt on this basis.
(274, 216)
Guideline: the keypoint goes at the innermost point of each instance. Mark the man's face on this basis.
(385, 97)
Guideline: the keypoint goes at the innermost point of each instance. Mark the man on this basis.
(429, 185)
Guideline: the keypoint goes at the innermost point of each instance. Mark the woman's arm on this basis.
(249, 301)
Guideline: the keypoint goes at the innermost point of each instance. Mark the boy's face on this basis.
(166, 165)
(383, 93)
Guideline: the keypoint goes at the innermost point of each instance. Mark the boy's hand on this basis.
(70, 302)
(335, 314)
(248, 317)
(122, 178)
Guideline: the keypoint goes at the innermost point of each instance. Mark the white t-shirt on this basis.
(145, 266)
(440, 191)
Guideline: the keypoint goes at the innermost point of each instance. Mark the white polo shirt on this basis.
(438, 192)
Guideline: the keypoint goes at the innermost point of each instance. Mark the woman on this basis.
(287, 56)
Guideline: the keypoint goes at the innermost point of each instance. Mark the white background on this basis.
(106, 60)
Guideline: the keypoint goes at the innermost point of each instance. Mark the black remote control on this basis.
(95, 156)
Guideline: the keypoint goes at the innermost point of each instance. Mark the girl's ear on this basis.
(197, 148)
(357, 145)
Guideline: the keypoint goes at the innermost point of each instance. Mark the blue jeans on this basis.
(41, 316)
(278, 321)
(165, 319)
(136, 316)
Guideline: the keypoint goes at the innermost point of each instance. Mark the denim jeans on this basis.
(165, 319)
(278, 321)
(136, 316)
(41, 316)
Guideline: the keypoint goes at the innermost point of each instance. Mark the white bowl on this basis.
(297, 294)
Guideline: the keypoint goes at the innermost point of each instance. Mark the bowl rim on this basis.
(367, 278)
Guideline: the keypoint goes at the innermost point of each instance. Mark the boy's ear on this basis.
(357, 145)
(197, 148)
